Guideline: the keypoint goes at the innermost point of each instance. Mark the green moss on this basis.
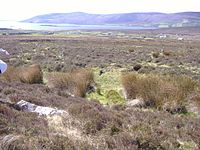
(114, 97)
(101, 98)
(109, 86)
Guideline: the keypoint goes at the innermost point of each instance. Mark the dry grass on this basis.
(162, 92)
(27, 74)
(168, 53)
(155, 54)
(76, 83)
(31, 74)
(11, 74)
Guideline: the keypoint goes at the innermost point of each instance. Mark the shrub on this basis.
(14, 142)
(121, 141)
(95, 117)
(162, 92)
(76, 83)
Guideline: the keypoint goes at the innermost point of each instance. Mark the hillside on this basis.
(141, 19)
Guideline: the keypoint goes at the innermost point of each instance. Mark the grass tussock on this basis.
(155, 54)
(76, 83)
(168, 53)
(162, 92)
(27, 74)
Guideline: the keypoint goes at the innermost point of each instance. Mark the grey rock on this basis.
(27, 106)
(135, 102)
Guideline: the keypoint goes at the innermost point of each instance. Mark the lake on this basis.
(57, 27)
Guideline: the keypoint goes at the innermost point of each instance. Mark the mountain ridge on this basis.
(142, 19)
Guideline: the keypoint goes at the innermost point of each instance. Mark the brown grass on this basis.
(162, 92)
(27, 74)
(155, 54)
(11, 74)
(76, 83)
(31, 74)
(167, 53)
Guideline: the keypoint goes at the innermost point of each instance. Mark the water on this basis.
(56, 27)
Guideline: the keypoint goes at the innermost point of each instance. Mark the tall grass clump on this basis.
(31, 74)
(27, 74)
(11, 74)
(75, 83)
(160, 91)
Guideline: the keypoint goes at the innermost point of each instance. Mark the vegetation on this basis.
(29, 74)
(76, 83)
(168, 85)
(169, 93)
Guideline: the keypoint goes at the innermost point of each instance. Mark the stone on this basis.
(30, 107)
(135, 102)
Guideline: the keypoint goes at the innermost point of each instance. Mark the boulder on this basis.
(135, 103)
(27, 106)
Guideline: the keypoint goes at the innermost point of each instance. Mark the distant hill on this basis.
(141, 19)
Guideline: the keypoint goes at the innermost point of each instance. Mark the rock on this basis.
(101, 72)
(27, 106)
(135, 102)
(137, 67)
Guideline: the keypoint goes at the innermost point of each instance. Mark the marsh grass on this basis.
(31, 74)
(27, 74)
(160, 91)
(75, 83)
(11, 74)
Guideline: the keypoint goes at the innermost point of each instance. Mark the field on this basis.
(161, 68)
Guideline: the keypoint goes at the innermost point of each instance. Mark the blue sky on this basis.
(24, 9)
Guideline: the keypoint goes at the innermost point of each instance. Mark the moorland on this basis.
(145, 89)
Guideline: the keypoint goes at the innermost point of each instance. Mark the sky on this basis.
(25, 9)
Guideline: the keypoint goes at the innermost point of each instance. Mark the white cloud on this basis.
(23, 9)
